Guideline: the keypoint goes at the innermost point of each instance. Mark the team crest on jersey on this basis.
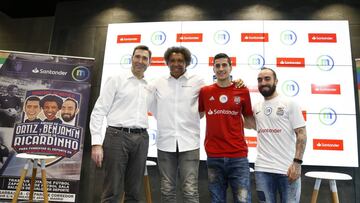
(212, 98)
(223, 98)
(280, 111)
(237, 100)
(268, 111)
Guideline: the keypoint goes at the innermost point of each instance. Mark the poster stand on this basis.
(48, 105)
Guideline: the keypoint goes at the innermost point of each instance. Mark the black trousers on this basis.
(124, 163)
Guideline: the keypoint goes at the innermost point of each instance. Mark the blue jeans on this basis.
(232, 171)
(269, 184)
(187, 165)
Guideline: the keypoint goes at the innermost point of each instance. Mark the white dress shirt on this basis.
(176, 111)
(124, 102)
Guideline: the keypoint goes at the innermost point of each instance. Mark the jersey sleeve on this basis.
(296, 117)
(201, 100)
(247, 108)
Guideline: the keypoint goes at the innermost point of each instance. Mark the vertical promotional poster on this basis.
(312, 59)
(43, 110)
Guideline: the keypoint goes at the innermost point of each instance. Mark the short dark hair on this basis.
(266, 68)
(182, 50)
(73, 100)
(53, 98)
(142, 47)
(32, 98)
(222, 55)
(11, 87)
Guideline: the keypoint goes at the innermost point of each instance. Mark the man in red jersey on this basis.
(224, 106)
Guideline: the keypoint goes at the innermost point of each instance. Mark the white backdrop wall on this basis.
(312, 60)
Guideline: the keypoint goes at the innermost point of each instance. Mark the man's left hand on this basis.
(239, 83)
(294, 172)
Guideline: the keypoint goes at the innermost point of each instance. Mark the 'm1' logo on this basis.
(125, 61)
(327, 116)
(256, 61)
(80, 73)
(158, 38)
(288, 37)
(290, 88)
(221, 37)
(193, 63)
(325, 62)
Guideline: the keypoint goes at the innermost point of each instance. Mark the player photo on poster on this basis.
(47, 97)
(49, 124)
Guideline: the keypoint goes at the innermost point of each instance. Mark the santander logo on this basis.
(189, 37)
(135, 38)
(254, 37)
(325, 89)
(158, 61)
(322, 37)
(222, 112)
(290, 62)
(327, 144)
(251, 141)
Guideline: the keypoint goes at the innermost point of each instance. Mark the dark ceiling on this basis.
(45, 8)
(29, 8)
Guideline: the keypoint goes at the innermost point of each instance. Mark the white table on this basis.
(34, 158)
(332, 177)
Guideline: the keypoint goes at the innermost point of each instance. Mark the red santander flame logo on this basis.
(189, 37)
(322, 37)
(254, 37)
(136, 38)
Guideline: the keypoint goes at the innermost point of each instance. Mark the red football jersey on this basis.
(224, 108)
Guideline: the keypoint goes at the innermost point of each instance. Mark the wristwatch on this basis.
(299, 161)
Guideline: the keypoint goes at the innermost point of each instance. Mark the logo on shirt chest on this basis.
(280, 111)
(268, 111)
(237, 100)
(223, 99)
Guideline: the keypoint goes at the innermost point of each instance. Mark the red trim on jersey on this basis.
(223, 108)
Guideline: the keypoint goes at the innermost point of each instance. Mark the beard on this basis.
(267, 92)
(67, 117)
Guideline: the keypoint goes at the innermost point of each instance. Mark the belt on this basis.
(130, 130)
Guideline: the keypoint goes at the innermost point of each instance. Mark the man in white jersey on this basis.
(281, 143)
